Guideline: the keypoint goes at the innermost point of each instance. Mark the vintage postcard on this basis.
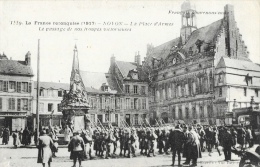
(113, 83)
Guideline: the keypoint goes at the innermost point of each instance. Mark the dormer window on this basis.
(59, 93)
(104, 87)
(221, 77)
(199, 44)
(134, 76)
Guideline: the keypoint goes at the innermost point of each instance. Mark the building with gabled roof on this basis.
(131, 82)
(16, 92)
(182, 71)
(236, 83)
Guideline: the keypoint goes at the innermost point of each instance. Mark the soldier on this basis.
(116, 135)
(143, 142)
(167, 142)
(215, 141)
(121, 140)
(161, 140)
(132, 144)
(126, 141)
(109, 140)
(87, 137)
(76, 146)
(194, 151)
(185, 143)
(151, 137)
(234, 136)
(209, 139)
(243, 137)
(201, 132)
(177, 139)
(102, 143)
(97, 142)
(249, 136)
(227, 143)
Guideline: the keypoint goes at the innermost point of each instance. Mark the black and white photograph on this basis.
(127, 83)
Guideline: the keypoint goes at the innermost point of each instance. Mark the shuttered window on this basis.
(11, 103)
(29, 105)
(5, 86)
(0, 103)
(1, 85)
(30, 87)
(18, 104)
(18, 86)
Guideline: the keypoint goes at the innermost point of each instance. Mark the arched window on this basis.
(194, 114)
(210, 111)
(187, 113)
(173, 113)
(180, 114)
(201, 112)
(205, 85)
(169, 91)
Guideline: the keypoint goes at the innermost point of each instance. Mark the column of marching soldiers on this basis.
(190, 140)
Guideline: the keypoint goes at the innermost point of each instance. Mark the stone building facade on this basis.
(15, 92)
(237, 82)
(131, 83)
(50, 97)
(119, 96)
(182, 72)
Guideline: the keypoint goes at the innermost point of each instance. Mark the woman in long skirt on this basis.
(16, 141)
(44, 149)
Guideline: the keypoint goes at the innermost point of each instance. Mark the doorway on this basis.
(8, 123)
(100, 118)
(127, 119)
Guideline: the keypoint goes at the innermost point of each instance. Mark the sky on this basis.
(96, 47)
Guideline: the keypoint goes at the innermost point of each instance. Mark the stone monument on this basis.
(74, 105)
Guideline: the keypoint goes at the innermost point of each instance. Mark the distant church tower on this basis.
(188, 20)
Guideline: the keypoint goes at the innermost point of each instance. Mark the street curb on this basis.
(28, 147)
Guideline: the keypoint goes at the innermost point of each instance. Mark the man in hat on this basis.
(177, 139)
(161, 140)
(185, 142)
(143, 142)
(132, 144)
(126, 141)
(87, 137)
(109, 140)
(116, 135)
(202, 133)
(76, 147)
(167, 141)
(44, 149)
(96, 138)
(194, 151)
(121, 140)
(151, 137)
(227, 144)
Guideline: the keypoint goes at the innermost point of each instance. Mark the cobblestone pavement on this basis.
(27, 157)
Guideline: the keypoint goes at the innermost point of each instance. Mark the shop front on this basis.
(13, 120)
(47, 120)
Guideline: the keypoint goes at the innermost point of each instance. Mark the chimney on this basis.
(112, 63)
(3, 57)
(137, 58)
(28, 58)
